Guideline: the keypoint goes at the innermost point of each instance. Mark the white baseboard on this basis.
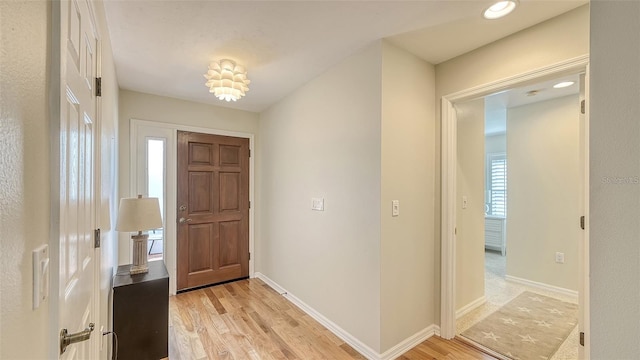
(471, 306)
(543, 286)
(410, 342)
(358, 345)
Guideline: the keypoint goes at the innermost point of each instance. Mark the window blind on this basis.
(498, 185)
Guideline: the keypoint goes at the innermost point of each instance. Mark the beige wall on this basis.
(24, 149)
(140, 106)
(470, 179)
(408, 110)
(561, 38)
(544, 192)
(496, 144)
(614, 180)
(323, 141)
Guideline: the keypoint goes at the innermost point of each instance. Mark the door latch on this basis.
(67, 339)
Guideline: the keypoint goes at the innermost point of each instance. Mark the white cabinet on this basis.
(494, 234)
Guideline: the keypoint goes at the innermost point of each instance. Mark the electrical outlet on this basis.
(560, 258)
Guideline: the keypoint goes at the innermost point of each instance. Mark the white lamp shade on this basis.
(138, 214)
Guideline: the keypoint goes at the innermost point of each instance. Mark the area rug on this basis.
(531, 326)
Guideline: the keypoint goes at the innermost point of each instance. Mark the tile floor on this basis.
(498, 292)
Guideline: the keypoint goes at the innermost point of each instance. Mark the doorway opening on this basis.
(523, 144)
(457, 290)
(213, 209)
(151, 141)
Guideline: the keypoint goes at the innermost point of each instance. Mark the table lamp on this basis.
(139, 214)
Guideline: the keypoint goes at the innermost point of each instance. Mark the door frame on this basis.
(172, 186)
(448, 189)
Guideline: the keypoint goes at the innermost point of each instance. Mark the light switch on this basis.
(40, 275)
(395, 208)
(317, 204)
(465, 202)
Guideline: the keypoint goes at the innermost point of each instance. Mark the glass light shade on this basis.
(138, 214)
(227, 80)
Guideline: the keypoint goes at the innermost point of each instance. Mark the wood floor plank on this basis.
(247, 319)
(181, 338)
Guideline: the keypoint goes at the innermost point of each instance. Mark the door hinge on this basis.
(249, 152)
(249, 204)
(96, 238)
(99, 86)
(249, 256)
(582, 222)
(583, 106)
(582, 338)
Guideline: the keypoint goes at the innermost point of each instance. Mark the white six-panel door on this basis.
(77, 153)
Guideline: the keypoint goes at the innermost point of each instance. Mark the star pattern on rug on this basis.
(542, 323)
(531, 326)
(528, 338)
(491, 335)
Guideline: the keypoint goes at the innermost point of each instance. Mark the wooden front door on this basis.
(213, 209)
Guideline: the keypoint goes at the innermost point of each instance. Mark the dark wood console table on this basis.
(141, 312)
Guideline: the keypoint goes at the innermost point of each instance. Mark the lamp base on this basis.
(140, 265)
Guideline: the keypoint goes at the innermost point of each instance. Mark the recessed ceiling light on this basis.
(499, 9)
(563, 84)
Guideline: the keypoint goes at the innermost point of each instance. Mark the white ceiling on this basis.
(164, 47)
(496, 105)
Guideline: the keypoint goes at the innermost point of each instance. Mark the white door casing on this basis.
(76, 291)
(448, 190)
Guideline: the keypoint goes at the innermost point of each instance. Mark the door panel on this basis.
(77, 153)
(229, 192)
(201, 194)
(229, 239)
(200, 245)
(213, 187)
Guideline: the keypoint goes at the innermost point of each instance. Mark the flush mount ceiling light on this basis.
(227, 80)
(563, 84)
(499, 9)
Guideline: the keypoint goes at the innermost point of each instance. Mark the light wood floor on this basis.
(249, 320)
